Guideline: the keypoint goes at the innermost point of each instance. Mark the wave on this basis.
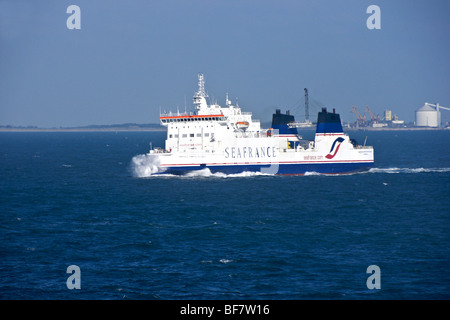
(207, 173)
(313, 173)
(408, 170)
(224, 261)
(384, 170)
(144, 166)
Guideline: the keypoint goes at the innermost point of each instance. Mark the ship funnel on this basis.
(329, 122)
(281, 122)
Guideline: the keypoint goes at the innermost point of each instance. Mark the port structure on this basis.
(360, 119)
(437, 106)
(373, 117)
(306, 105)
(375, 121)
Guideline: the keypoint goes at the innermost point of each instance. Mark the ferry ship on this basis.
(228, 140)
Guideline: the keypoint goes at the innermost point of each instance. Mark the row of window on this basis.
(192, 119)
(191, 135)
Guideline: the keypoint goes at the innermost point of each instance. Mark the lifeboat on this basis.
(242, 125)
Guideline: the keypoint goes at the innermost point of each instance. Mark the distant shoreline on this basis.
(162, 129)
(93, 128)
(396, 129)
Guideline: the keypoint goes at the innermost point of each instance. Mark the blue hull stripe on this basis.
(283, 169)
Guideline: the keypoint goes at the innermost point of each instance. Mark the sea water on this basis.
(88, 199)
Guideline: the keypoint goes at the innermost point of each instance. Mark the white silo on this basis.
(427, 116)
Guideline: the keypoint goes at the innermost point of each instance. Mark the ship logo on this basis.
(336, 144)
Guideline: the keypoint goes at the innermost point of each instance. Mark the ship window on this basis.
(207, 134)
(176, 135)
(170, 136)
(184, 135)
(191, 135)
(199, 134)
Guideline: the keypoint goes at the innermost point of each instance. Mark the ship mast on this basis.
(200, 95)
(201, 86)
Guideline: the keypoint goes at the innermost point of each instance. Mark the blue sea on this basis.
(77, 198)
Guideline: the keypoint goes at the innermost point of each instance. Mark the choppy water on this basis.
(80, 199)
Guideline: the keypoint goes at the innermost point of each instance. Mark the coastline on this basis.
(397, 129)
(130, 129)
(162, 129)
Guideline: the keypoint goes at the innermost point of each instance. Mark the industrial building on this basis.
(429, 115)
(375, 121)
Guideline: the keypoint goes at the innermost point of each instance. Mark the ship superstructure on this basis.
(228, 140)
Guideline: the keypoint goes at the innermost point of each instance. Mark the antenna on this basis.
(201, 86)
(227, 102)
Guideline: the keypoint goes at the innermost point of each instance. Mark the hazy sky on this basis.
(132, 57)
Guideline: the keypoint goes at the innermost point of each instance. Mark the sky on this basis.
(130, 59)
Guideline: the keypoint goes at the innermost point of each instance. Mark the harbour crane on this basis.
(306, 105)
(361, 119)
(375, 118)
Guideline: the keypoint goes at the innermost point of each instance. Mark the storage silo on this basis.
(428, 116)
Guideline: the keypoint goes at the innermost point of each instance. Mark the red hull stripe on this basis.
(261, 163)
(286, 135)
(330, 134)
